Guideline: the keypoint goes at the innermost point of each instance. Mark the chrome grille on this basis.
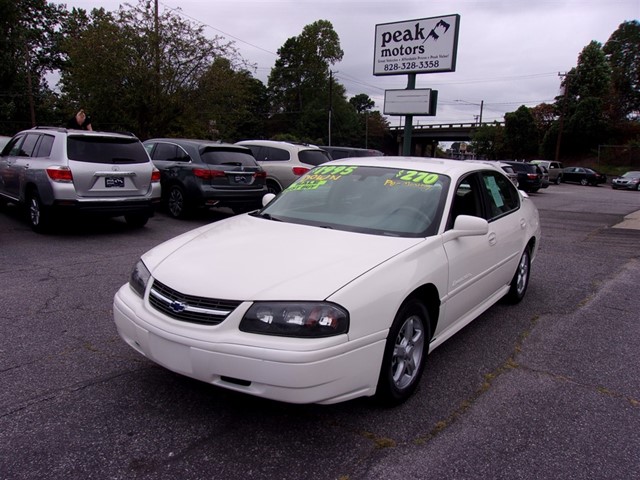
(189, 308)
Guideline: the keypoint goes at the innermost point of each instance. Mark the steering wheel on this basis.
(415, 212)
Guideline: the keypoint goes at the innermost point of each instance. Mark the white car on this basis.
(393, 256)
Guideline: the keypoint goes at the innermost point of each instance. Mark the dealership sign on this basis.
(426, 45)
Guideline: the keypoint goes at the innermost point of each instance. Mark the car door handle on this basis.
(493, 239)
(523, 223)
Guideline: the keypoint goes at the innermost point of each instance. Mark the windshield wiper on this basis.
(266, 216)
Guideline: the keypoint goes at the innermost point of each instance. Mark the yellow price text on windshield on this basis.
(307, 184)
(334, 170)
(424, 178)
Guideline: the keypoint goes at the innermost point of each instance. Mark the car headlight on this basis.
(139, 278)
(296, 319)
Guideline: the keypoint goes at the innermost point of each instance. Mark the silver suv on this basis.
(284, 162)
(554, 168)
(51, 170)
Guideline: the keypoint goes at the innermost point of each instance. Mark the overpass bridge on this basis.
(425, 138)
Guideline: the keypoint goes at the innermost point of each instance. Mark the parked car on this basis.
(554, 169)
(285, 162)
(202, 173)
(529, 175)
(506, 168)
(398, 257)
(345, 152)
(54, 170)
(628, 181)
(545, 176)
(583, 176)
(3, 141)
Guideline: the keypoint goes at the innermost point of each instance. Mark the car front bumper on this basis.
(296, 371)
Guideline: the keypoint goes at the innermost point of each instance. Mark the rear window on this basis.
(313, 157)
(220, 156)
(93, 149)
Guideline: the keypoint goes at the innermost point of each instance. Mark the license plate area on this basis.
(114, 182)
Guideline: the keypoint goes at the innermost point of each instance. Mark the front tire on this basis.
(520, 280)
(405, 354)
(584, 182)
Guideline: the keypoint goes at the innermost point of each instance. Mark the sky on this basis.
(510, 52)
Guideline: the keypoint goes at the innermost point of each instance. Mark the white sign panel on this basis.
(426, 45)
(408, 102)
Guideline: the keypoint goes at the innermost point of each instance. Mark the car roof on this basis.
(193, 142)
(444, 166)
(88, 133)
(279, 143)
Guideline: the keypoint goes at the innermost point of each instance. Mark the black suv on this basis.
(202, 173)
(529, 175)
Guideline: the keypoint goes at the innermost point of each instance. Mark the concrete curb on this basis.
(631, 221)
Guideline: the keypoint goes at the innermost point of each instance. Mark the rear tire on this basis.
(176, 202)
(38, 216)
(405, 354)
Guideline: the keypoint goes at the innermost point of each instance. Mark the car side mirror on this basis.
(267, 199)
(466, 226)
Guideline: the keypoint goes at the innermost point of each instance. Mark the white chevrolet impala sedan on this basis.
(340, 286)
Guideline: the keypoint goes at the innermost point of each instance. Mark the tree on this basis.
(623, 55)
(299, 82)
(362, 103)
(229, 104)
(521, 134)
(586, 87)
(29, 35)
(488, 142)
(133, 76)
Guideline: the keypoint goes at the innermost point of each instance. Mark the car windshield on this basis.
(631, 175)
(374, 200)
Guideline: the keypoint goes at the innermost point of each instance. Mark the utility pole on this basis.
(563, 113)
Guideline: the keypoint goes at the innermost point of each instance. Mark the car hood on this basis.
(249, 258)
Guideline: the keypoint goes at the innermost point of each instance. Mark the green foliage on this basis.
(133, 76)
(521, 134)
(300, 81)
(623, 55)
(489, 142)
(362, 103)
(29, 36)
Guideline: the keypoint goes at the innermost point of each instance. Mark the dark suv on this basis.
(202, 173)
(51, 170)
(529, 175)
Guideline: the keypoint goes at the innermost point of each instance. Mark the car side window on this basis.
(29, 145)
(13, 147)
(501, 196)
(170, 153)
(45, 146)
(276, 154)
(466, 201)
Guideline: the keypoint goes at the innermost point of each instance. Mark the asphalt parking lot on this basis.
(549, 388)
